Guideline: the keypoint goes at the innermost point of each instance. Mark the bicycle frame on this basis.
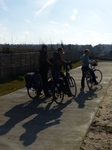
(93, 67)
(67, 68)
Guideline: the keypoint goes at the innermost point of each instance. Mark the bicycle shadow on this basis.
(45, 119)
(19, 113)
(46, 116)
(84, 96)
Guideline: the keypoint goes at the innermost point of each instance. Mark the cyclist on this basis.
(85, 67)
(58, 62)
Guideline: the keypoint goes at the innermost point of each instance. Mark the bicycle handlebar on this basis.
(68, 66)
(94, 63)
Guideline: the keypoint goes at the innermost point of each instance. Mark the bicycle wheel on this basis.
(72, 86)
(32, 92)
(58, 95)
(89, 81)
(98, 75)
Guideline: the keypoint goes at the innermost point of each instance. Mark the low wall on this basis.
(12, 65)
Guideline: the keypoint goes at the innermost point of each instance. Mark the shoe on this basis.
(82, 87)
(96, 83)
(70, 94)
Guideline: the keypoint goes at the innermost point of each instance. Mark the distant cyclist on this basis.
(58, 62)
(85, 67)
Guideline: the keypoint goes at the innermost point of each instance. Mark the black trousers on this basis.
(45, 83)
(83, 75)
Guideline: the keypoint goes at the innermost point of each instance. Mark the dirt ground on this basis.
(99, 136)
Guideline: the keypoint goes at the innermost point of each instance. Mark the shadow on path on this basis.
(19, 113)
(46, 116)
(43, 120)
(83, 96)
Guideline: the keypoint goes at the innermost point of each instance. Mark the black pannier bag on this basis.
(33, 79)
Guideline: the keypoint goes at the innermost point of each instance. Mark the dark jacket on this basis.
(44, 64)
(57, 62)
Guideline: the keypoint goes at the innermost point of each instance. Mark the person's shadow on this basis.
(83, 96)
(19, 113)
(46, 116)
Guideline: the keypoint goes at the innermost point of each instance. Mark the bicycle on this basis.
(97, 72)
(58, 88)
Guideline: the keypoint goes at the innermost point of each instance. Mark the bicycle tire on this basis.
(58, 95)
(72, 86)
(32, 92)
(98, 75)
(89, 81)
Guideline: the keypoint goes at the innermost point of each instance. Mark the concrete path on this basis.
(27, 124)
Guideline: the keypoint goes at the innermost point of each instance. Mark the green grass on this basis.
(77, 64)
(12, 85)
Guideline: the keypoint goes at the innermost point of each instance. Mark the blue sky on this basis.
(56, 21)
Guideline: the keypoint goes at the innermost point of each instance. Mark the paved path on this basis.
(43, 125)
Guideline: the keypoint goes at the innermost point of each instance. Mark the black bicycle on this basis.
(97, 72)
(58, 88)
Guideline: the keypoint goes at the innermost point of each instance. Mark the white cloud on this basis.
(27, 21)
(59, 31)
(108, 34)
(44, 7)
(4, 7)
(91, 32)
(75, 11)
(58, 23)
(73, 17)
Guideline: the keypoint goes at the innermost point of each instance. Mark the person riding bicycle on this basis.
(58, 62)
(85, 67)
